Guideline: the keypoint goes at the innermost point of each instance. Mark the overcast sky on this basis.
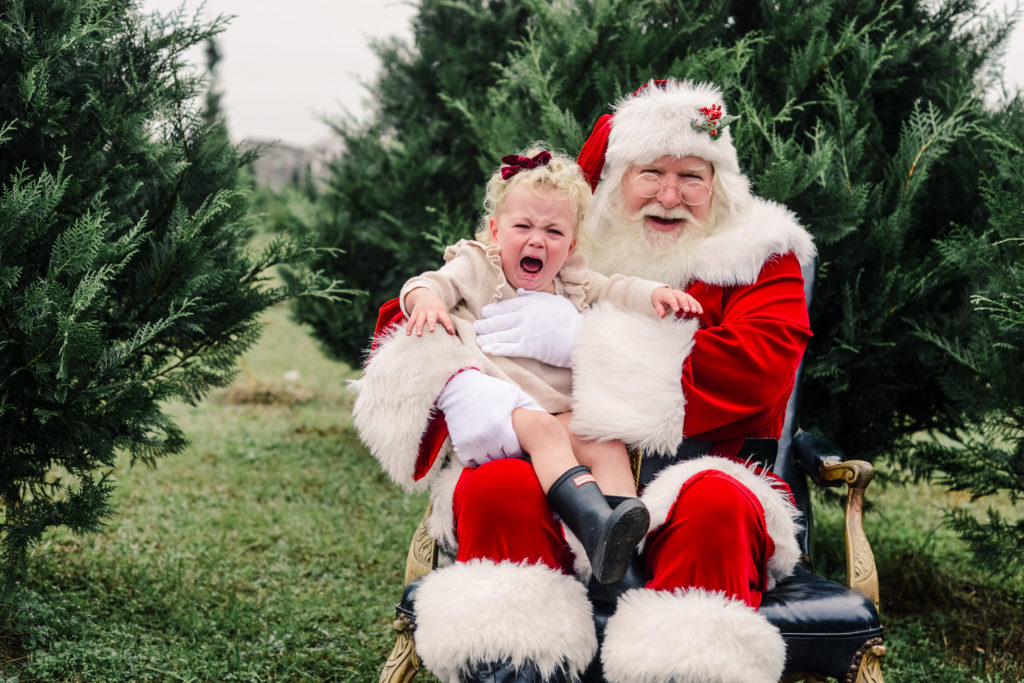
(288, 64)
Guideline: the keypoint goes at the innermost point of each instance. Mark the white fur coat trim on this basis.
(627, 378)
(690, 637)
(480, 611)
(780, 514)
(736, 253)
(396, 395)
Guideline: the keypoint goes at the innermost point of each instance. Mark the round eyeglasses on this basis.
(692, 192)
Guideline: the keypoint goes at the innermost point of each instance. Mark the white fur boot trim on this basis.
(690, 637)
(480, 611)
(780, 515)
(627, 374)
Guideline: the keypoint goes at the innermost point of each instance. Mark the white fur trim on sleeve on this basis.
(396, 395)
(780, 515)
(480, 611)
(690, 637)
(627, 374)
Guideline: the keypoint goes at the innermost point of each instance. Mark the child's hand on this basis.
(666, 299)
(426, 308)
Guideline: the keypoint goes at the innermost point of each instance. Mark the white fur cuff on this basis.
(780, 515)
(396, 395)
(484, 612)
(627, 378)
(690, 637)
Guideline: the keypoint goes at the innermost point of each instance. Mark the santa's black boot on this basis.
(608, 535)
(504, 672)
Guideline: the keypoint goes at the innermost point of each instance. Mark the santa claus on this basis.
(670, 204)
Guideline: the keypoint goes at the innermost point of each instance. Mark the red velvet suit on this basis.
(736, 381)
(717, 527)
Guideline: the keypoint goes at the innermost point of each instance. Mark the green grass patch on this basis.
(274, 550)
(945, 619)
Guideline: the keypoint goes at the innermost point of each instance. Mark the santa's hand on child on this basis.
(534, 325)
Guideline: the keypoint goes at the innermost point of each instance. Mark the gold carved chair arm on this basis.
(822, 461)
(422, 556)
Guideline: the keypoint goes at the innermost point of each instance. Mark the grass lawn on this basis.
(273, 550)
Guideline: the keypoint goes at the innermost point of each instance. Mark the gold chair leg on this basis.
(867, 663)
(871, 665)
(422, 556)
(403, 663)
(860, 561)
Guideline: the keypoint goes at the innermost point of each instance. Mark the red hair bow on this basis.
(518, 163)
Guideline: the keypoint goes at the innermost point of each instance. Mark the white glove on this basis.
(478, 410)
(534, 325)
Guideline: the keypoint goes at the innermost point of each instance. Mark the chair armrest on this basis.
(822, 461)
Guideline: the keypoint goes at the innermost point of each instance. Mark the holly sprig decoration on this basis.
(712, 121)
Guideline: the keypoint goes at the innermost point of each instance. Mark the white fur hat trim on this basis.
(659, 121)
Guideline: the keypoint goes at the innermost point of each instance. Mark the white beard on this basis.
(618, 243)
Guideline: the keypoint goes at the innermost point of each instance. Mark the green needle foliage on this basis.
(125, 280)
(863, 118)
(867, 118)
(986, 377)
(408, 179)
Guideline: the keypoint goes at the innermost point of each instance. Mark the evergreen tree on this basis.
(408, 179)
(986, 380)
(125, 278)
(212, 110)
(859, 116)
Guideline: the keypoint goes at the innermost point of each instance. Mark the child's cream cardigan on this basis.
(472, 277)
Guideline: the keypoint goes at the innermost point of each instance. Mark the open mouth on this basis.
(664, 221)
(531, 265)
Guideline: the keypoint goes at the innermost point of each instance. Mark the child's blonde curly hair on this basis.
(561, 174)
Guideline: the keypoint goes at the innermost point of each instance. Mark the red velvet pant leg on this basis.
(501, 513)
(715, 538)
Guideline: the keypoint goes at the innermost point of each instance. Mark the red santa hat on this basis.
(670, 117)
